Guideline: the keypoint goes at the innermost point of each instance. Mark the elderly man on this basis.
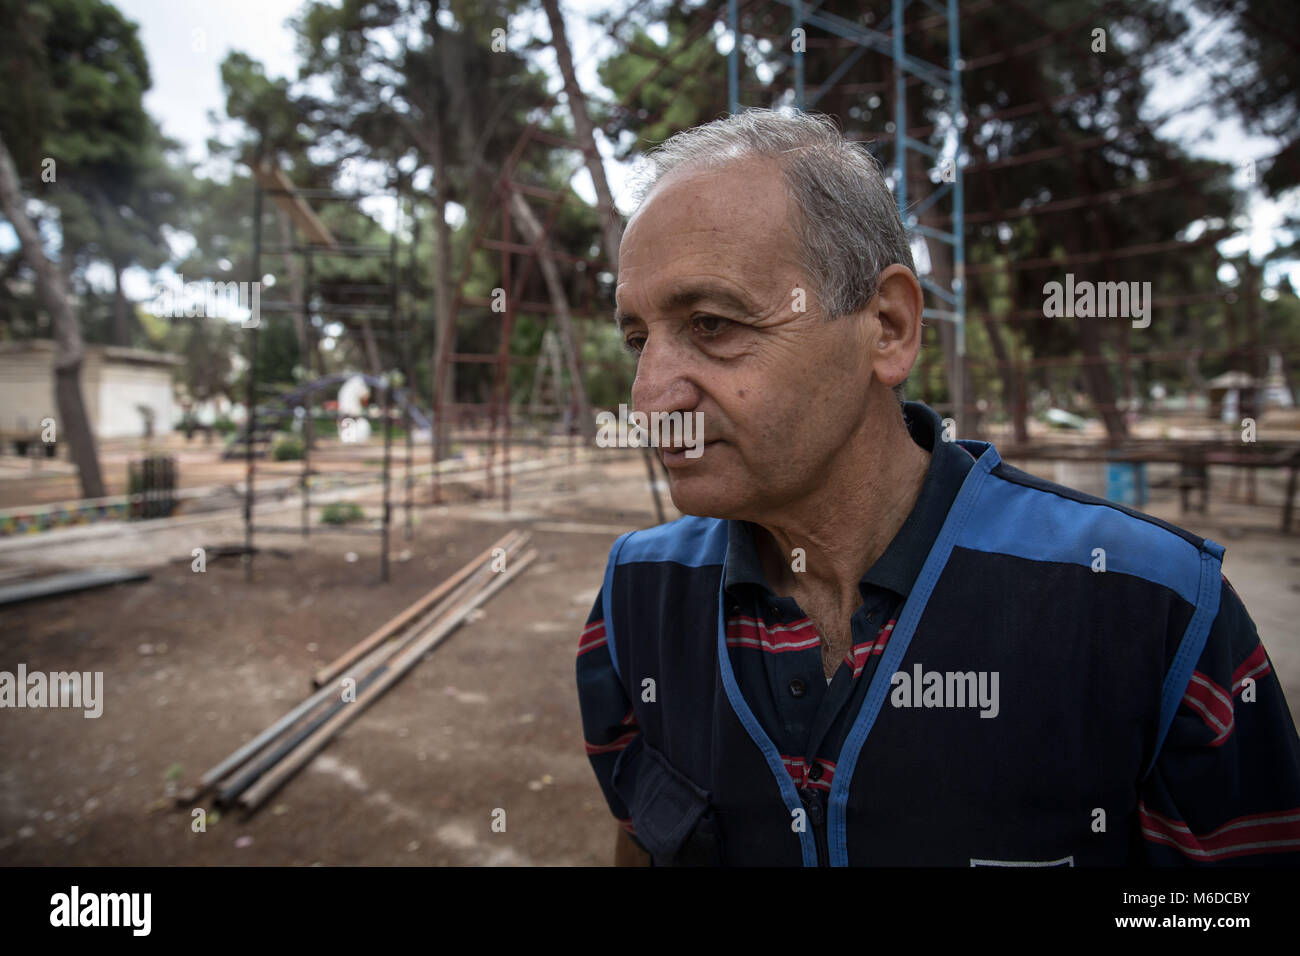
(870, 644)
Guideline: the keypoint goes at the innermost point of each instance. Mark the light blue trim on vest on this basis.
(691, 541)
(1193, 642)
(881, 681)
(695, 542)
(1010, 521)
(607, 598)
(1042, 526)
(807, 840)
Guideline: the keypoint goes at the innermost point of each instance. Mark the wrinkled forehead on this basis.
(734, 219)
(735, 193)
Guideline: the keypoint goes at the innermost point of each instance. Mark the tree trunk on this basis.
(121, 310)
(532, 230)
(1097, 377)
(372, 349)
(444, 372)
(1013, 397)
(68, 351)
(454, 77)
(1095, 370)
(611, 226)
(432, 136)
(296, 290)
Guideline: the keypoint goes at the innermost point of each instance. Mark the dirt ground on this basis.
(196, 663)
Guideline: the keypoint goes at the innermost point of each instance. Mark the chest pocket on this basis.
(672, 816)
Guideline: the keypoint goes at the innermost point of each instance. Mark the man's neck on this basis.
(851, 519)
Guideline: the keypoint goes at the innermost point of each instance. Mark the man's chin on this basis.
(704, 498)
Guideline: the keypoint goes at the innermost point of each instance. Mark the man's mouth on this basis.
(678, 455)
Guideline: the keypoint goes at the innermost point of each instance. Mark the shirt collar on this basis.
(901, 562)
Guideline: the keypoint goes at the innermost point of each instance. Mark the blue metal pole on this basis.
(958, 193)
(900, 115)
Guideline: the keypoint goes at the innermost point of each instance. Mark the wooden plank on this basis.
(287, 198)
(65, 583)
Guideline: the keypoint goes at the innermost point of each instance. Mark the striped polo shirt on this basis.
(776, 651)
(1141, 721)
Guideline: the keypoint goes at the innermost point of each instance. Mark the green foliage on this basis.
(1257, 73)
(74, 74)
(288, 448)
(691, 91)
(341, 512)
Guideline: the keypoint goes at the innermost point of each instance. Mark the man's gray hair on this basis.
(846, 218)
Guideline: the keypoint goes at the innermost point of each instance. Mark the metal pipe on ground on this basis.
(255, 795)
(230, 788)
(339, 664)
(235, 785)
(367, 664)
(252, 747)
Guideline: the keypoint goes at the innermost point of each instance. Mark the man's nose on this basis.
(663, 382)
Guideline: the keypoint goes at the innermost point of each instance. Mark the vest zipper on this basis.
(816, 809)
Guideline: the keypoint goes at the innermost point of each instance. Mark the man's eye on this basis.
(633, 344)
(710, 324)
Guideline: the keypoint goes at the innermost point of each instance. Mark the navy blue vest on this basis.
(1091, 666)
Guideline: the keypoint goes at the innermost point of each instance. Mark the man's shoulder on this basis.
(692, 541)
(1042, 496)
(1023, 516)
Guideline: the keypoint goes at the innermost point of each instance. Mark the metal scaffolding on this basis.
(319, 242)
(948, 160)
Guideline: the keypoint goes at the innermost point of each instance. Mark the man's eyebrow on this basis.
(687, 295)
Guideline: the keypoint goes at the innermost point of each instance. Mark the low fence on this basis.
(151, 487)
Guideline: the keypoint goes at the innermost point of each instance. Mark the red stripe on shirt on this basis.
(614, 747)
(1254, 667)
(1213, 704)
(857, 658)
(593, 636)
(798, 770)
(1242, 836)
(785, 638)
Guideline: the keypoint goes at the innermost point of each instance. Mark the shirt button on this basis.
(815, 772)
(798, 688)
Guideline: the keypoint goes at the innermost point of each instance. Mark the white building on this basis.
(114, 383)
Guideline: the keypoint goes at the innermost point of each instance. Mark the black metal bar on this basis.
(250, 413)
(409, 368)
(503, 370)
(329, 194)
(358, 310)
(388, 400)
(316, 529)
(308, 432)
(1288, 508)
(358, 251)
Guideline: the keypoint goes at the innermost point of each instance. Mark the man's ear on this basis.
(899, 303)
